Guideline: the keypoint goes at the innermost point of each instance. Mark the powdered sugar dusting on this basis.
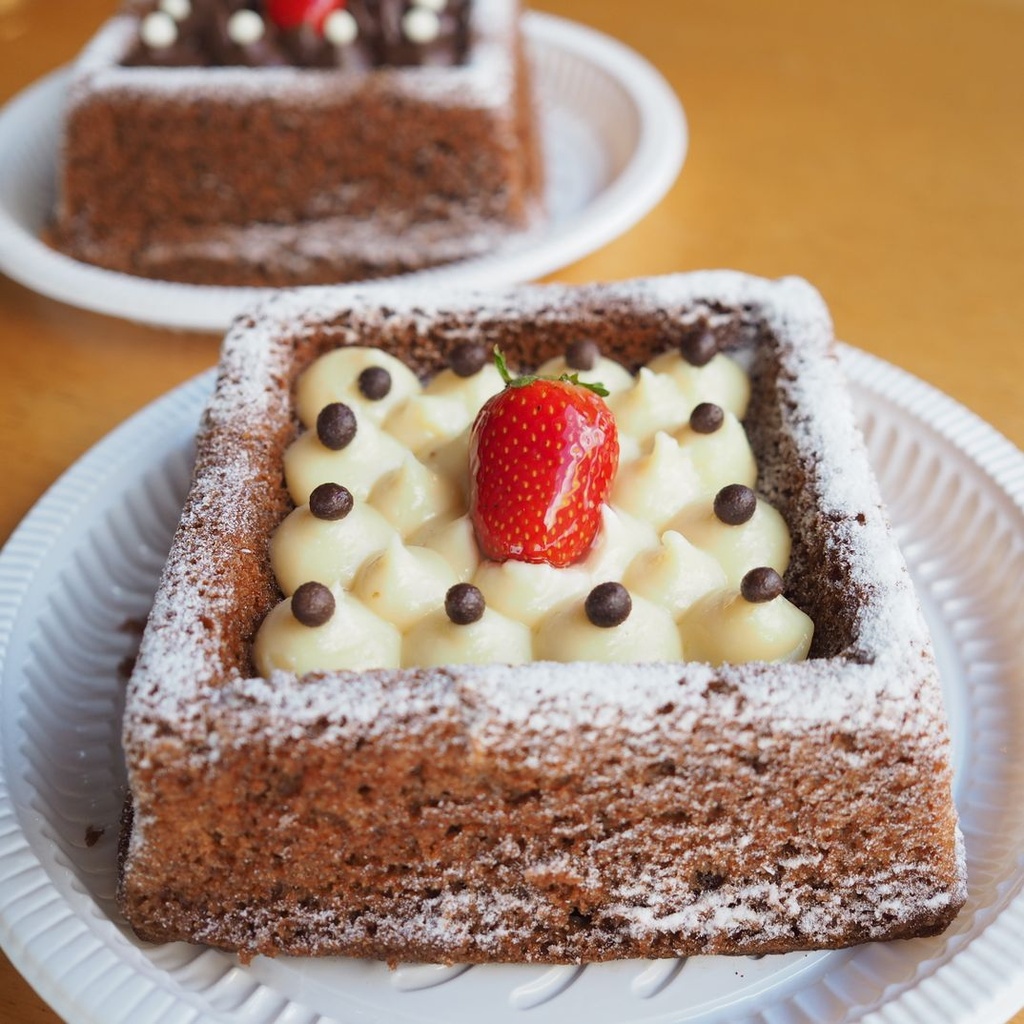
(389, 239)
(891, 634)
(607, 763)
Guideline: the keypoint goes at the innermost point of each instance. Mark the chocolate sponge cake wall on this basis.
(548, 812)
(281, 174)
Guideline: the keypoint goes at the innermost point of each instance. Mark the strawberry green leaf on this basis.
(526, 379)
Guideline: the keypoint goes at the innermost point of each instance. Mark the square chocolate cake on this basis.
(559, 808)
(229, 143)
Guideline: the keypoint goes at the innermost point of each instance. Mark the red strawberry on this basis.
(288, 14)
(542, 456)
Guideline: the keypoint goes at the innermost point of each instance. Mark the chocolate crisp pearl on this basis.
(330, 501)
(375, 383)
(706, 418)
(582, 354)
(312, 604)
(464, 604)
(467, 359)
(735, 504)
(699, 347)
(608, 604)
(761, 584)
(336, 426)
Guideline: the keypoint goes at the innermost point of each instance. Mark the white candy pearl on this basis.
(179, 10)
(158, 30)
(421, 25)
(437, 6)
(340, 28)
(245, 28)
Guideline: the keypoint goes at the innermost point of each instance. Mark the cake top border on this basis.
(484, 81)
(886, 679)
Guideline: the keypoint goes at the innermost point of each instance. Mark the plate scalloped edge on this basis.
(1002, 993)
(32, 903)
(140, 983)
(995, 453)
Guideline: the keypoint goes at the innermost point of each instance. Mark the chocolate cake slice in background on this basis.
(211, 162)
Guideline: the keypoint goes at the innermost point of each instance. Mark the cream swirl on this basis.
(407, 538)
(436, 640)
(726, 627)
(353, 638)
(647, 634)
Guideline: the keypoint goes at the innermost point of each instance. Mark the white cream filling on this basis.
(408, 538)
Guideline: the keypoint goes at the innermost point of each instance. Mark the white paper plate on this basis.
(86, 560)
(615, 138)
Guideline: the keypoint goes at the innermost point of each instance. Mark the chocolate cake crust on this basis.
(543, 812)
(281, 176)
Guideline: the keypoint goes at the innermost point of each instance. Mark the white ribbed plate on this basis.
(615, 138)
(86, 560)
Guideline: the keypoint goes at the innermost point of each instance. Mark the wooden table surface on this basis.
(874, 148)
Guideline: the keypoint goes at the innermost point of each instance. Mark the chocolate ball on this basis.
(464, 604)
(336, 426)
(467, 359)
(330, 501)
(699, 347)
(706, 418)
(312, 604)
(582, 354)
(735, 504)
(374, 383)
(608, 604)
(761, 584)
